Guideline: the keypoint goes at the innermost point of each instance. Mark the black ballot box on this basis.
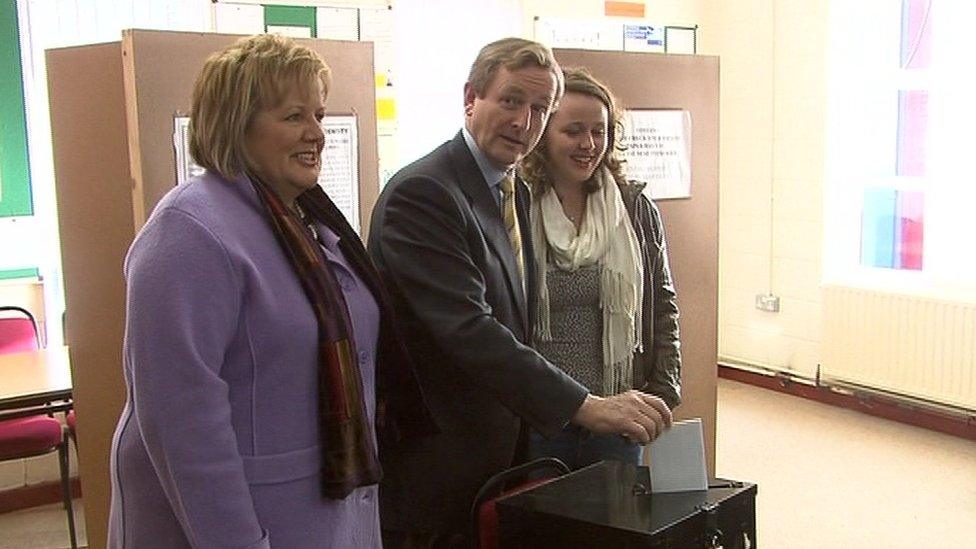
(608, 504)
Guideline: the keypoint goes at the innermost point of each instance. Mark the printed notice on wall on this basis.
(340, 165)
(185, 166)
(644, 38)
(659, 151)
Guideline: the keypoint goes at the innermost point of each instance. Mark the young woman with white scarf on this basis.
(606, 310)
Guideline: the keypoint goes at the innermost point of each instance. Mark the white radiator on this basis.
(910, 345)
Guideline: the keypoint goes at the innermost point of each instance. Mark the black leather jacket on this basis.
(657, 369)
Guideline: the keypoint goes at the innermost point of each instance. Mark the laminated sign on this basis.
(658, 151)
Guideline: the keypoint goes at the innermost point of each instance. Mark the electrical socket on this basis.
(767, 302)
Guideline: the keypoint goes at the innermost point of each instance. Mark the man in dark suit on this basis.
(450, 235)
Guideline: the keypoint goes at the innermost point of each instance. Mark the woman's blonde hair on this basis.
(533, 167)
(252, 74)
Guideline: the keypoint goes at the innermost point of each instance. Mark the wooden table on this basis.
(35, 382)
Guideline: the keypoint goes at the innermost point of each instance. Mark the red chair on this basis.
(18, 330)
(484, 512)
(70, 418)
(34, 435)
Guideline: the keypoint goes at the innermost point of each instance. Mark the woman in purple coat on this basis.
(261, 361)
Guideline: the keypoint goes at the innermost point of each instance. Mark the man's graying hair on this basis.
(513, 54)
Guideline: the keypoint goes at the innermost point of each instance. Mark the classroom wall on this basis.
(664, 12)
(773, 89)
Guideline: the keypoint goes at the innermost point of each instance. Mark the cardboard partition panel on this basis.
(94, 194)
(689, 82)
(112, 109)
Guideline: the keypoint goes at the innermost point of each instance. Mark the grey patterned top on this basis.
(576, 322)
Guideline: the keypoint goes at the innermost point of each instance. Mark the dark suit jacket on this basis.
(438, 239)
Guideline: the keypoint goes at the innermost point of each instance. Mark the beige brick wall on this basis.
(773, 58)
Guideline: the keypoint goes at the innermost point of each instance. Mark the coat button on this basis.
(347, 283)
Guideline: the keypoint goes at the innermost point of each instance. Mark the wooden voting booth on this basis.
(112, 121)
(691, 83)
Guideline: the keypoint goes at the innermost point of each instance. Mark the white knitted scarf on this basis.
(606, 237)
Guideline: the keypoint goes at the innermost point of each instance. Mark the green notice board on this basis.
(290, 16)
(31, 272)
(15, 188)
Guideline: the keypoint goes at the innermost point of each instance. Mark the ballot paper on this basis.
(678, 458)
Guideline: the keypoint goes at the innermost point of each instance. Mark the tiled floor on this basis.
(828, 477)
(41, 528)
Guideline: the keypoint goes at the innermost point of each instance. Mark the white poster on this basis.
(589, 34)
(337, 23)
(376, 26)
(238, 18)
(680, 39)
(340, 165)
(185, 166)
(658, 151)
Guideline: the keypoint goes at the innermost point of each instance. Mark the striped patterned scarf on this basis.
(349, 457)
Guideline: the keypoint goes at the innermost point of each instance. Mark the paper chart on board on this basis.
(340, 165)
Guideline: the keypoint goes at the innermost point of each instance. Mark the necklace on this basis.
(305, 221)
(575, 217)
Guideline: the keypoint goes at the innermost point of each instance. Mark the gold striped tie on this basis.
(510, 217)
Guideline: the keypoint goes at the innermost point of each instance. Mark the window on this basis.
(899, 190)
(892, 227)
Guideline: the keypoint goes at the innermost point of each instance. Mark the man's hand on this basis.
(633, 414)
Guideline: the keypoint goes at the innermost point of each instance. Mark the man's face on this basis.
(508, 120)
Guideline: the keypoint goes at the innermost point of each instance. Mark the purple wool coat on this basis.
(218, 444)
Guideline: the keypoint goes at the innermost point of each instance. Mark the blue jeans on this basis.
(578, 448)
